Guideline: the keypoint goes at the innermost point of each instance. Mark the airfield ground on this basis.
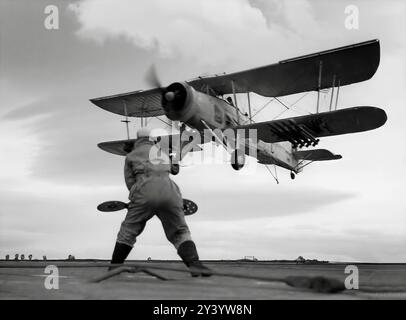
(382, 281)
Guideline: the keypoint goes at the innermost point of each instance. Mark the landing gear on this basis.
(292, 175)
(237, 159)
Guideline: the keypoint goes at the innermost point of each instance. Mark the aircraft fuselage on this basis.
(208, 110)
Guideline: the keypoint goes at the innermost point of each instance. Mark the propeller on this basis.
(152, 78)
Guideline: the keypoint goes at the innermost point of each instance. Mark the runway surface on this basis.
(376, 281)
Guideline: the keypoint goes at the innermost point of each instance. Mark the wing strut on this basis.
(126, 121)
(319, 84)
(249, 107)
(332, 92)
(338, 91)
(235, 101)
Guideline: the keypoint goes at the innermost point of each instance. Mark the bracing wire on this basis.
(163, 121)
(275, 176)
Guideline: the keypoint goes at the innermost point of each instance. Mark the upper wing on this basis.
(117, 147)
(349, 64)
(133, 104)
(304, 130)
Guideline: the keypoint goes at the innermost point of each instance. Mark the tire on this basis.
(237, 159)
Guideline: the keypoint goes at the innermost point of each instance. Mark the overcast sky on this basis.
(52, 175)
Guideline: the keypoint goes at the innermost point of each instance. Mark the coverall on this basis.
(152, 192)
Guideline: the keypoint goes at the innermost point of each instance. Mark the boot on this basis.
(187, 251)
(120, 253)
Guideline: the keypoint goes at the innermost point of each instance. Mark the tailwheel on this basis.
(292, 175)
(237, 159)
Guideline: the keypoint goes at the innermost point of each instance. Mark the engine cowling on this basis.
(177, 101)
(181, 102)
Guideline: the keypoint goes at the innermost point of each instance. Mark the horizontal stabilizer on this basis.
(316, 155)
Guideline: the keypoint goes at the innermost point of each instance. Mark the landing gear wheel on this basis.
(237, 159)
(292, 175)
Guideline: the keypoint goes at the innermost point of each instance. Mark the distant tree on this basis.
(16, 257)
(22, 257)
(300, 259)
(30, 257)
(44, 258)
(7, 257)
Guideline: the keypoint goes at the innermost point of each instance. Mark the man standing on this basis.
(152, 192)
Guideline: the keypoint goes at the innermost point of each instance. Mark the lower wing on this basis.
(304, 130)
(166, 143)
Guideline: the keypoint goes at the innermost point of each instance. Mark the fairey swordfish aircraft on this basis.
(199, 106)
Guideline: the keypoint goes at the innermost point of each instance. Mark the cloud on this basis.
(41, 218)
(210, 30)
(285, 13)
(53, 175)
(32, 109)
(314, 235)
(281, 201)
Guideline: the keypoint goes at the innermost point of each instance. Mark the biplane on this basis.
(204, 105)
